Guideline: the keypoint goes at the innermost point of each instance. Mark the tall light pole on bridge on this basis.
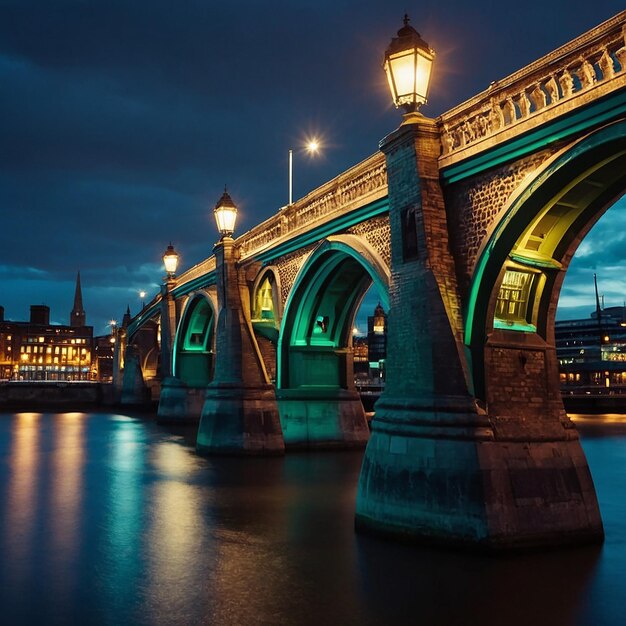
(312, 147)
(240, 414)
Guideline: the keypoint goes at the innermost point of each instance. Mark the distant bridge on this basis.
(466, 225)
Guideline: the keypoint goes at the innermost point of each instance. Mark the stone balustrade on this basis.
(197, 271)
(594, 59)
(356, 187)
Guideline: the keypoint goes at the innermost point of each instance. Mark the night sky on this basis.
(121, 122)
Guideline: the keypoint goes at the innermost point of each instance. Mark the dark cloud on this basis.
(120, 122)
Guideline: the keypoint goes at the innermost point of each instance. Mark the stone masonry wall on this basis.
(377, 234)
(474, 205)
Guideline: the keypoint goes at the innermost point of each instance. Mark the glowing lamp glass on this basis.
(225, 215)
(170, 260)
(408, 64)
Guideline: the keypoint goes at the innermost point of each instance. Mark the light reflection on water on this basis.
(108, 519)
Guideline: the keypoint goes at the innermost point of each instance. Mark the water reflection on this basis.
(122, 506)
(107, 519)
(175, 536)
(20, 446)
(453, 588)
(65, 475)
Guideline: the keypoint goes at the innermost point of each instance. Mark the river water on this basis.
(110, 519)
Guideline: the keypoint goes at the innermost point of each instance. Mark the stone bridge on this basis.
(466, 224)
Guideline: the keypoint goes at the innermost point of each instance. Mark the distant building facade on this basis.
(39, 350)
(360, 357)
(592, 352)
(103, 349)
(377, 342)
(370, 352)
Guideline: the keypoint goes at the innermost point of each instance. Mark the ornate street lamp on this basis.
(225, 215)
(170, 260)
(408, 63)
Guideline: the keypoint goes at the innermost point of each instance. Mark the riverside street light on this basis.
(225, 213)
(408, 63)
(170, 261)
(312, 147)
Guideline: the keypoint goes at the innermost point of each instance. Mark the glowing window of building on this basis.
(41, 339)
(8, 337)
(513, 299)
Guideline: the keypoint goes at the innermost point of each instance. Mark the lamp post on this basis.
(426, 395)
(240, 414)
(168, 310)
(142, 295)
(312, 147)
(440, 464)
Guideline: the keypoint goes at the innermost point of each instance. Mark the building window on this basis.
(513, 299)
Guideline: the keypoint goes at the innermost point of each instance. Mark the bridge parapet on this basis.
(197, 271)
(356, 187)
(586, 68)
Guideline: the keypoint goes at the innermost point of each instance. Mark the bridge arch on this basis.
(194, 348)
(521, 266)
(267, 306)
(319, 315)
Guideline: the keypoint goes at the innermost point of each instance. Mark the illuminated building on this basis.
(103, 348)
(592, 352)
(39, 350)
(377, 342)
(360, 356)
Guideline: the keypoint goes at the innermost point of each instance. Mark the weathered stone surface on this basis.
(318, 418)
(437, 468)
(240, 414)
(179, 403)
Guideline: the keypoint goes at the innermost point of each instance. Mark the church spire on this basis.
(77, 316)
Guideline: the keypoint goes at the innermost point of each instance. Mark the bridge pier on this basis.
(240, 414)
(322, 418)
(179, 402)
(438, 468)
(134, 390)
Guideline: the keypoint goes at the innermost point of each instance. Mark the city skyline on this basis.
(123, 124)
